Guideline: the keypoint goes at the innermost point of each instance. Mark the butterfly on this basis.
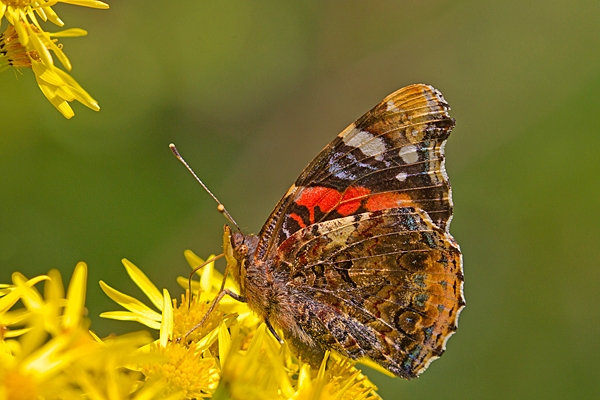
(357, 257)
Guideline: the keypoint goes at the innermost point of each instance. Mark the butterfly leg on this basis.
(272, 330)
(196, 270)
(212, 306)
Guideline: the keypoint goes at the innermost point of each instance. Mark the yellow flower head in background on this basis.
(17, 11)
(25, 44)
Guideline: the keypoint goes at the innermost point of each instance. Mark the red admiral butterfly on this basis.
(357, 256)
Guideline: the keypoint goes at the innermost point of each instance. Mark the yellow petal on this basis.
(224, 343)
(62, 57)
(58, 102)
(13, 317)
(9, 300)
(30, 297)
(140, 279)
(166, 325)
(13, 18)
(185, 282)
(130, 303)
(81, 95)
(39, 46)
(54, 289)
(129, 316)
(46, 74)
(88, 3)
(51, 15)
(16, 332)
(72, 32)
(40, 11)
(74, 309)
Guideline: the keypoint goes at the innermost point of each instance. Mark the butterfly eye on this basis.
(242, 250)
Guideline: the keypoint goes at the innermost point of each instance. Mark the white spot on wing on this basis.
(391, 106)
(409, 154)
(401, 176)
(341, 173)
(339, 169)
(367, 143)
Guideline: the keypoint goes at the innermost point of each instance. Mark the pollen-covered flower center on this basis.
(17, 3)
(183, 370)
(19, 386)
(12, 51)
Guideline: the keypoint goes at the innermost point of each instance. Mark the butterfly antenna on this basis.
(220, 207)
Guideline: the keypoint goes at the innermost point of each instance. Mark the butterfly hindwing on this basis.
(383, 285)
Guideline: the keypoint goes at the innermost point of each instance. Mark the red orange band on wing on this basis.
(346, 203)
(298, 219)
(383, 201)
(328, 199)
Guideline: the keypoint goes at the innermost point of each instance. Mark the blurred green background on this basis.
(251, 91)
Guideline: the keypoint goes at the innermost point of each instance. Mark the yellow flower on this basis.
(230, 355)
(46, 350)
(187, 361)
(21, 14)
(25, 44)
(58, 86)
(339, 381)
(267, 370)
(22, 11)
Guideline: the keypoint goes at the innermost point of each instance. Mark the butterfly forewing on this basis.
(392, 156)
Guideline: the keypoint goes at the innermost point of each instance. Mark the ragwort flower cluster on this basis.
(25, 44)
(48, 352)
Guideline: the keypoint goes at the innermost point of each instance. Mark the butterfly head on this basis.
(239, 250)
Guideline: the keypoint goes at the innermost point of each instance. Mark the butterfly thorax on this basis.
(253, 277)
(263, 286)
